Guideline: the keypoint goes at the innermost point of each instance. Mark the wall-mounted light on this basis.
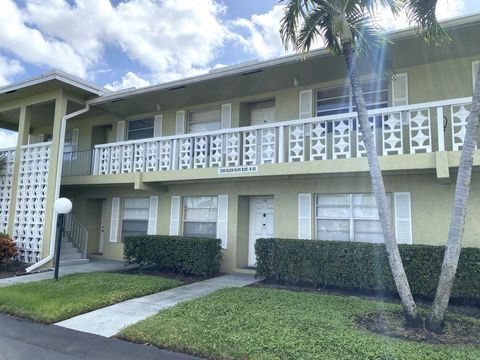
(158, 107)
(295, 81)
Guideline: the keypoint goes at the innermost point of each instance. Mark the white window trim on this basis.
(351, 218)
(351, 103)
(122, 217)
(401, 75)
(138, 119)
(183, 221)
(213, 108)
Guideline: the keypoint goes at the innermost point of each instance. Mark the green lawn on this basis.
(253, 323)
(48, 301)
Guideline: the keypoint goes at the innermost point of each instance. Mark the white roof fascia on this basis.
(56, 75)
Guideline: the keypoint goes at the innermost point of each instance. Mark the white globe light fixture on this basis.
(62, 206)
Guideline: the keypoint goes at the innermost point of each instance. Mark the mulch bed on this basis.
(456, 331)
(157, 271)
(13, 269)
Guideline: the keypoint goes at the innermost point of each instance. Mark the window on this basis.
(200, 216)
(348, 217)
(135, 216)
(204, 120)
(339, 100)
(140, 129)
(400, 90)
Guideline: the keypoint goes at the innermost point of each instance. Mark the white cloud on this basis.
(445, 9)
(31, 46)
(7, 139)
(449, 8)
(9, 68)
(171, 38)
(263, 38)
(129, 80)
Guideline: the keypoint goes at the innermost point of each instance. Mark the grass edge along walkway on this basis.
(259, 323)
(47, 301)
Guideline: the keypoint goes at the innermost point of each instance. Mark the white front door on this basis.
(263, 116)
(261, 223)
(102, 226)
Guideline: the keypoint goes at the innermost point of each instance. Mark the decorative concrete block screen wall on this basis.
(31, 201)
(6, 187)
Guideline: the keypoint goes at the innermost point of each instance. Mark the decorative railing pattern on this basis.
(76, 233)
(410, 129)
(6, 186)
(31, 201)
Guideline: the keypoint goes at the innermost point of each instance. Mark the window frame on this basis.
(204, 110)
(351, 104)
(184, 217)
(141, 129)
(351, 217)
(122, 219)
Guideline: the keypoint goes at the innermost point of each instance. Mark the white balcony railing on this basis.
(410, 129)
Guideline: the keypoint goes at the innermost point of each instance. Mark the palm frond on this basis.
(370, 42)
(422, 14)
(289, 24)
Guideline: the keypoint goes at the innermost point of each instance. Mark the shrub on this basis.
(186, 255)
(364, 267)
(7, 248)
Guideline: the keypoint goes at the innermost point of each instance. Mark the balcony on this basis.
(410, 129)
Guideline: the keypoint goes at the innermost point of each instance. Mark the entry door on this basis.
(261, 223)
(102, 226)
(263, 116)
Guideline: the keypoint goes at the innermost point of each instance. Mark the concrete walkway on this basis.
(110, 320)
(92, 266)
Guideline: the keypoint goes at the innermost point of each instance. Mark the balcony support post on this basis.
(440, 130)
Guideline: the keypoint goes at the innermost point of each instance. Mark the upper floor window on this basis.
(204, 120)
(135, 216)
(200, 216)
(339, 99)
(140, 129)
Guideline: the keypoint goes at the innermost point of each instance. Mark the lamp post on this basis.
(62, 206)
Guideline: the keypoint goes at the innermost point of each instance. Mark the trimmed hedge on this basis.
(364, 267)
(186, 255)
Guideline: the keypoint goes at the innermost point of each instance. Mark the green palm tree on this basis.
(347, 28)
(422, 13)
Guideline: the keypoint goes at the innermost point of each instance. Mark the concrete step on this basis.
(67, 245)
(73, 262)
(71, 256)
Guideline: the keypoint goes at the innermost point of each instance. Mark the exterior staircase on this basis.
(74, 242)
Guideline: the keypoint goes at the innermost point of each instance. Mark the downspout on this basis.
(63, 127)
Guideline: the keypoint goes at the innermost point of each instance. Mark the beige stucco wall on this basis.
(431, 206)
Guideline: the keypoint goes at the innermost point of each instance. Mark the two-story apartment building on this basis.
(261, 149)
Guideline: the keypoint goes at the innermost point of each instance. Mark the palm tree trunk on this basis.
(396, 265)
(455, 235)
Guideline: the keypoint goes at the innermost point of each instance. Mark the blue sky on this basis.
(134, 43)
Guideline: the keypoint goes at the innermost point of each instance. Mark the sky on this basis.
(135, 43)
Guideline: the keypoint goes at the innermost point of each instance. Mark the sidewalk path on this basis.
(92, 266)
(110, 320)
